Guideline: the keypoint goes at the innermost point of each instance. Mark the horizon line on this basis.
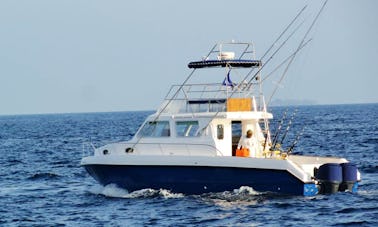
(151, 110)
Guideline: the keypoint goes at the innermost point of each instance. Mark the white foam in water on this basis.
(368, 193)
(238, 198)
(112, 190)
(241, 193)
(170, 195)
(245, 190)
(147, 192)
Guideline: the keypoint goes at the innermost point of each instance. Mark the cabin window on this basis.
(187, 128)
(156, 129)
(220, 132)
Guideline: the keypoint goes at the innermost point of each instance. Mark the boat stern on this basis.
(331, 174)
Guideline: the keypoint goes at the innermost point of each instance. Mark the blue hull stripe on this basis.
(196, 180)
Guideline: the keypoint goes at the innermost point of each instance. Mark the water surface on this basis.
(42, 183)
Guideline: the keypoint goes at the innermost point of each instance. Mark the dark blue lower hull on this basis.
(199, 179)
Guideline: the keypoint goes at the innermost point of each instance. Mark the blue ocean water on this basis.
(42, 183)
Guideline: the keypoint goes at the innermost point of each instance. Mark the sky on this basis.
(98, 56)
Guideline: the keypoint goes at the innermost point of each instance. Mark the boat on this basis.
(191, 144)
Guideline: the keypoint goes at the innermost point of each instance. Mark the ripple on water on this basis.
(42, 183)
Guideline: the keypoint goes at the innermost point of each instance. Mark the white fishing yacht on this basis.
(190, 145)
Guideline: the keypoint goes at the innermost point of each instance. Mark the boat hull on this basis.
(199, 179)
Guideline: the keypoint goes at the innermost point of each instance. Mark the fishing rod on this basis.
(267, 135)
(282, 119)
(267, 132)
(266, 140)
(291, 148)
(275, 137)
(293, 57)
(288, 126)
(266, 128)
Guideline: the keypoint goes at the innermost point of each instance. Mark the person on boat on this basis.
(250, 143)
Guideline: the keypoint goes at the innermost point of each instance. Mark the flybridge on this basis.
(231, 95)
(224, 63)
(196, 98)
(220, 56)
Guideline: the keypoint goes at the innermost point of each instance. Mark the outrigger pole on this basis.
(283, 32)
(270, 58)
(299, 46)
(286, 59)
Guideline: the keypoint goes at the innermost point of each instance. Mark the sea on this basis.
(43, 184)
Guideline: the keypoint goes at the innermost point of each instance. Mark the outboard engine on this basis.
(349, 177)
(330, 176)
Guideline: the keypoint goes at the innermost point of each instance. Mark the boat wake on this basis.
(112, 190)
(245, 190)
(238, 198)
(242, 193)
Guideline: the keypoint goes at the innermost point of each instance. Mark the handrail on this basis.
(203, 90)
(88, 149)
(159, 145)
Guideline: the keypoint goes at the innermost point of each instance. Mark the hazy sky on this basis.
(85, 56)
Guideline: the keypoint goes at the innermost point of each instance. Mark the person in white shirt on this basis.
(249, 142)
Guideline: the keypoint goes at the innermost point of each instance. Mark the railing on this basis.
(190, 149)
(88, 149)
(194, 98)
(206, 91)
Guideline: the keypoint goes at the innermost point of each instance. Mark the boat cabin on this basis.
(209, 119)
(203, 131)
